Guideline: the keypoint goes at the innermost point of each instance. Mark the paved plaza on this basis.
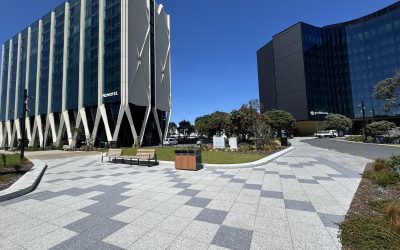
(294, 202)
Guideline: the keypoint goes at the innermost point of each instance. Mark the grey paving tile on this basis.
(307, 181)
(101, 188)
(233, 238)
(98, 176)
(176, 180)
(112, 211)
(296, 165)
(299, 205)
(77, 178)
(331, 220)
(55, 180)
(238, 180)
(104, 246)
(79, 241)
(93, 209)
(227, 176)
(198, 202)
(117, 174)
(74, 191)
(212, 216)
(322, 178)
(287, 176)
(182, 185)
(271, 172)
(189, 192)
(348, 173)
(271, 194)
(103, 229)
(85, 223)
(338, 176)
(38, 194)
(135, 172)
(252, 186)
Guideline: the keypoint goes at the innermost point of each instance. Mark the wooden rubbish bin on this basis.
(188, 160)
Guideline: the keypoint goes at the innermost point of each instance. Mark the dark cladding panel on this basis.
(291, 87)
(266, 77)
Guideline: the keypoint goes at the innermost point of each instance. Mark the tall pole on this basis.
(23, 137)
(364, 121)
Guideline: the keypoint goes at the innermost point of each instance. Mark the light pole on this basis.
(364, 121)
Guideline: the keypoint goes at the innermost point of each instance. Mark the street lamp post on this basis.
(364, 120)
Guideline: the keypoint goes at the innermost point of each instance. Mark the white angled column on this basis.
(16, 128)
(81, 117)
(8, 123)
(64, 119)
(50, 124)
(38, 121)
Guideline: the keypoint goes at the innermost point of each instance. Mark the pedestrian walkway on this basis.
(294, 202)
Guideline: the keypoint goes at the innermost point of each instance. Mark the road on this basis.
(369, 151)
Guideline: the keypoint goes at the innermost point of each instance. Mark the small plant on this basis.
(378, 205)
(380, 165)
(394, 164)
(381, 178)
(393, 212)
(368, 232)
(370, 139)
(356, 138)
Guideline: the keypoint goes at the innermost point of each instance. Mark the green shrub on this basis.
(383, 179)
(356, 138)
(370, 139)
(394, 164)
(379, 205)
(380, 164)
(372, 232)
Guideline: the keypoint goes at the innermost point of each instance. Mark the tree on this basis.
(380, 128)
(281, 120)
(185, 128)
(261, 132)
(202, 125)
(241, 122)
(388, 90)
(338, 122)
(172, 128)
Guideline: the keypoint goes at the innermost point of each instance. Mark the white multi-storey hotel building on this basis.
(101, 67)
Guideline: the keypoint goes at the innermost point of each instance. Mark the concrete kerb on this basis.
(260, 162)
(27, 183)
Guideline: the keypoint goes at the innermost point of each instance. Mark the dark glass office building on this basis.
(96, 69)
(311, 71)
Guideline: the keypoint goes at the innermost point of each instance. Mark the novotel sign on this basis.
(106, 95)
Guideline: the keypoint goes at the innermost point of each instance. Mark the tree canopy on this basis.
(213, 124)
(185, 128)
(338, 122)
(281, 120)
(380, 128)
(388, 90)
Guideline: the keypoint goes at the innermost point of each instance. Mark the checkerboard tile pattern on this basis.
(293, 202)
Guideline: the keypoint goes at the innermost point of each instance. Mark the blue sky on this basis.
(214, 42)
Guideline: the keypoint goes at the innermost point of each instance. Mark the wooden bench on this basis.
(112, 153)
(148, 155)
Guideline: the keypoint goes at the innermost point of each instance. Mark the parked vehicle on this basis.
(170, 142)
(326, 134)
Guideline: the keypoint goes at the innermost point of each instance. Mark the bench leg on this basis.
(130, 162)
(101, 159)
(138, 162)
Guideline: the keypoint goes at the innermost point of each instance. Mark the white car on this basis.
(326, 134)
(170, 142)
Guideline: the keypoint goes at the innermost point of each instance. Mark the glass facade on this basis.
(13, 78)
(91, 53)
(33, 68)
(73, 55)
(58, 59)
(342, 64)
(112, 50)
(44, 66)
(4, 81)
(22, 72)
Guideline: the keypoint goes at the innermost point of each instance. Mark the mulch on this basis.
(9, 176)
(368, 191)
